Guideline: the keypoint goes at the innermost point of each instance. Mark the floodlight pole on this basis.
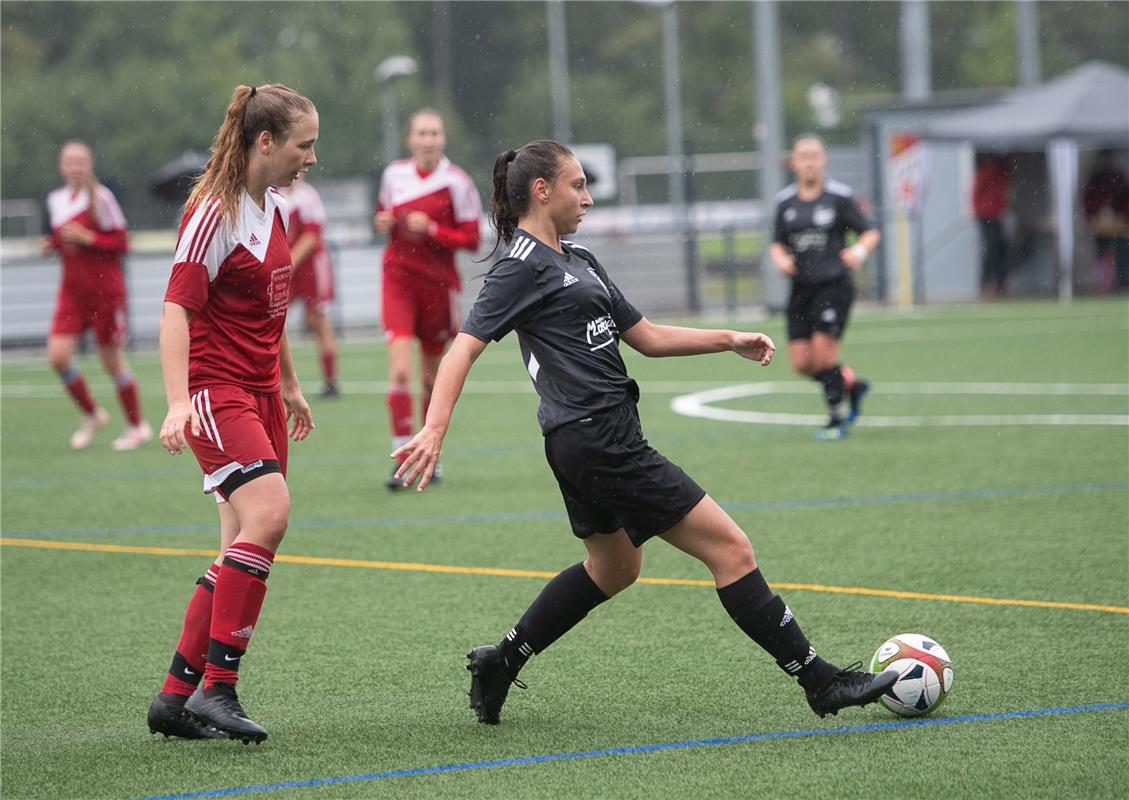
(1027, 42)
(558, 70)
(386, 74)
(770, 135)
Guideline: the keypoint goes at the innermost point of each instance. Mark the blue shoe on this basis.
(835, 430)
(858, 392)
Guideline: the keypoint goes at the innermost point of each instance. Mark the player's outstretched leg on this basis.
(564, 602)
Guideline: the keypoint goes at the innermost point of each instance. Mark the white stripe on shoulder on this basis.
(516, 245)
(526, 249)
(574, 246)
(837, 187)
(785, 193)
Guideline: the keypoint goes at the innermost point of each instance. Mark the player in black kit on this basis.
(618, 491)
(813, 216)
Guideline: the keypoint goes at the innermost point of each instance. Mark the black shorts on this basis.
(823, 307)
(611, 478)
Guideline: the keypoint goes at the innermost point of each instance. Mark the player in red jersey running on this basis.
(232, 390)
(429, 208)
(88, 232)
(313, 274)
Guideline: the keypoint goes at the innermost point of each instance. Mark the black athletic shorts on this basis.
(611, 478)
(823, 307)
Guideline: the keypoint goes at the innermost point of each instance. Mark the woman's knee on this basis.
(614, 576)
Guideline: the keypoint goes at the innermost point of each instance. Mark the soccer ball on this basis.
(925, 673)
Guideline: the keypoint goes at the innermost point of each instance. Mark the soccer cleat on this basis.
(393, 483)
(91, 424)
(835, 430)
(858, 392)
(850, 687)
(489, 683)
(173, 720)
(221, 709)
(133, 437)
(331, 389)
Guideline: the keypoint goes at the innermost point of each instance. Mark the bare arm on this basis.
(174, 366)
(422, 452)
(302, 248)
(659, 341)
(855, 255)
(781, 258)
(297, 409)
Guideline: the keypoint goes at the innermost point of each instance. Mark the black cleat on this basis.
(171, 719)
(489, 683)
(850, 687)
(394, 484)
(331, 389)
(858, 392)
(220, 708)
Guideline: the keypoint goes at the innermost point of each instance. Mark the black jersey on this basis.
(814, 231)
(568, 315)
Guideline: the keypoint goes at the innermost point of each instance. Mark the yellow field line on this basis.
(49, 544)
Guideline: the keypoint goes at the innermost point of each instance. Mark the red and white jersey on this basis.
(235, 278)
(94, 269)
(449, 198)
(307, 215)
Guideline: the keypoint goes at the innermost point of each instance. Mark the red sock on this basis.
(424, 402)
(127, 394)
(329, 366)
(400, 413)
(76, 387)
(191, 651)
(240, 588)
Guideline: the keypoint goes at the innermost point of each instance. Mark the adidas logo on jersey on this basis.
(570, 279)
(253, 241)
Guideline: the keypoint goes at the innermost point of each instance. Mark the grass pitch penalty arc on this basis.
(927, 722)
(322, 561)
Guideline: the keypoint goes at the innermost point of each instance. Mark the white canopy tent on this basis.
(1087, 107)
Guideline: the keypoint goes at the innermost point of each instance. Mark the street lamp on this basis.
(386, 74)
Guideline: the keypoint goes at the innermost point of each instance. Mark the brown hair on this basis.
(91, 184)
(514, 171)
(252, 110)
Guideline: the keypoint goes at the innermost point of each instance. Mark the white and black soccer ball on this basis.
(925, 673)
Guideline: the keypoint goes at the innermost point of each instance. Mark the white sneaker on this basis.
(133, 437)
(91, 424)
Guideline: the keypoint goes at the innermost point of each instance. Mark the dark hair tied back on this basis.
(253, 90)
(514, 173)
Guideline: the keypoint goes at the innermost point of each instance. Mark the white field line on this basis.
(700, 404)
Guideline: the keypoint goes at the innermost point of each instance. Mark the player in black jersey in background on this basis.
(618, 491)
(812, 218)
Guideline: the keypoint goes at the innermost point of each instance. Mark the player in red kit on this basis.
(429, 208)
(232, 392)
(313, 274)
(88, 232)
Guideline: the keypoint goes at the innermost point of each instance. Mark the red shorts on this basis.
(412, 305)
(242, 434)
(105, 314)
(313, 282)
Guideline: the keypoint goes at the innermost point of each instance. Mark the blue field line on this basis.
(549, 516)
(466, 766)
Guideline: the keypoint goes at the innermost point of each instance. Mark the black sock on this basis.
(833, 388)
(765, 619)
(564, 601)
